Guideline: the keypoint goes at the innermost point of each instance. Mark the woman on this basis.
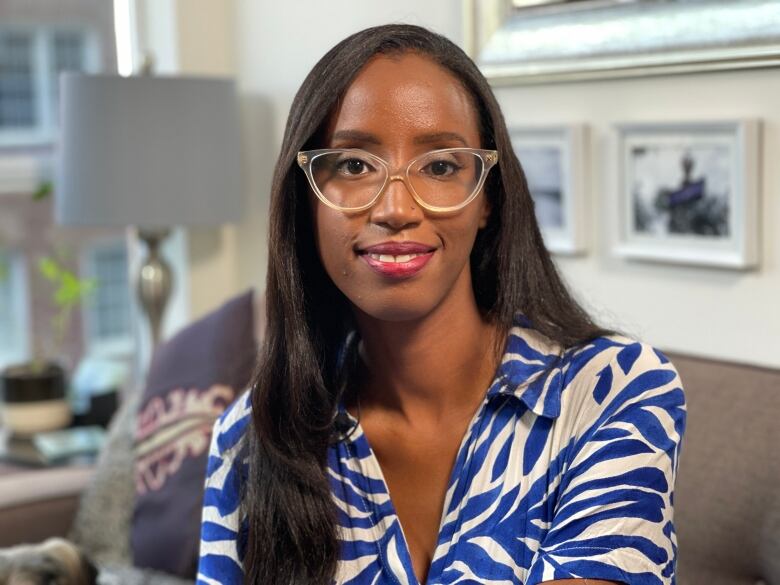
(430, 404)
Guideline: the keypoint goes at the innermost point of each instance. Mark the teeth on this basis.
(388, 258)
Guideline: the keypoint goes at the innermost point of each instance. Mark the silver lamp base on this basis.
(155, 280)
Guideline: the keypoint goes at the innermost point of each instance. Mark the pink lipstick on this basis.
(397, 259)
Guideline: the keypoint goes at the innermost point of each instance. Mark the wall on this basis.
(725, 314)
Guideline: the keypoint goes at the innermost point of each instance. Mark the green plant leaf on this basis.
(69, 291)
(49, 269)
(72, 290)
(43, 191)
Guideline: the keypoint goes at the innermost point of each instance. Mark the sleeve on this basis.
(613, 518)
(220, 558)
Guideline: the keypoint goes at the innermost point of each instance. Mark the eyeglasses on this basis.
(351, 179)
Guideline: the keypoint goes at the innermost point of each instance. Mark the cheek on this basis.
(334, 244)
(459, 234)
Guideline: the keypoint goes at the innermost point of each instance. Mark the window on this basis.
(39, 39)
(108, 311)
(14, 346)
(68, 53)
(17, 85)
(31, 60)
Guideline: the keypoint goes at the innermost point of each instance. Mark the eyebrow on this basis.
(367, 137)
(356, 136)
(440, 137)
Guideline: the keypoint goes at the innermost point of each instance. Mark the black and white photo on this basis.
(552, 159)
(688, 192)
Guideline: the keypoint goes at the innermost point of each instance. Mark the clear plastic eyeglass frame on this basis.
(306, 159)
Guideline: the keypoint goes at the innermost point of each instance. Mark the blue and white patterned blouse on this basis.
(568, 474)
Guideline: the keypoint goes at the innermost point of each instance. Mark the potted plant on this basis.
(35, 393)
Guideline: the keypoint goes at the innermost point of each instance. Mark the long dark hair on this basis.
(291, 535)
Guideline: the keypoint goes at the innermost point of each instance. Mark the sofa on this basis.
(727, 497)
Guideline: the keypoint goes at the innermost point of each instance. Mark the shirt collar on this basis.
(531, 370)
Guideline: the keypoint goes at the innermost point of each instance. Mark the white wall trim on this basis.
(19, 174)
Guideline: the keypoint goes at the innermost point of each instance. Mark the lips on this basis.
(397, 248)
(397, 259)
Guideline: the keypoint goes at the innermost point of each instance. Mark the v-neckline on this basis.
(458, 471)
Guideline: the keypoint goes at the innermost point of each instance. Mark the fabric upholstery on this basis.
(727, 497)
(102, 524)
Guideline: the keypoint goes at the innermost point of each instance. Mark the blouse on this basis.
(564, 472)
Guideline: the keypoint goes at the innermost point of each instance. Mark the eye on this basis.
(353, 166)
(441, 168)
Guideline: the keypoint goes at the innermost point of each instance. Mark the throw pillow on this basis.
(192, 378)
(103, 518)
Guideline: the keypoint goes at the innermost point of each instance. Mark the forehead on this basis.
(400, 97)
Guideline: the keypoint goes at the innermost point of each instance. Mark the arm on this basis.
(613, 516)
(220, 559)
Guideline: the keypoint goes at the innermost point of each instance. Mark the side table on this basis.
(39, 502)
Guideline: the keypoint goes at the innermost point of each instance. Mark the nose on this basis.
(396, 207)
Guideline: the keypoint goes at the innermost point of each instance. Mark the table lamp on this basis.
(150, 152)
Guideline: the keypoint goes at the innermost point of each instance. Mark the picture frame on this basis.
(562, 40)
(688, 192)
(553, 159)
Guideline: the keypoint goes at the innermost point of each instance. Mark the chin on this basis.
(395, 310)
(409, 300)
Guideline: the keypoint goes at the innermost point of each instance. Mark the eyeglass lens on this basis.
(353, 179)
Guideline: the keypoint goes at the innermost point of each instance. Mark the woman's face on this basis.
(397, 108)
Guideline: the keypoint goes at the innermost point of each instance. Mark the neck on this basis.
(432, 367)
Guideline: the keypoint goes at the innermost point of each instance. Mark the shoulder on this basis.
(227, 462)
(616, 377)
(621, 352)
(573, 381)
(223, 527)
(232, 423)
(231, 427)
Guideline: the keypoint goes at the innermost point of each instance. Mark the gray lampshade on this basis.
(147, 151)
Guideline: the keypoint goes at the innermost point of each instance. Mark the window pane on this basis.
(17, 86)
(111, 302)
(68, 50)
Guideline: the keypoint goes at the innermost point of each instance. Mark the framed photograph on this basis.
(688, 192)
(539, 41)
(553, 160)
